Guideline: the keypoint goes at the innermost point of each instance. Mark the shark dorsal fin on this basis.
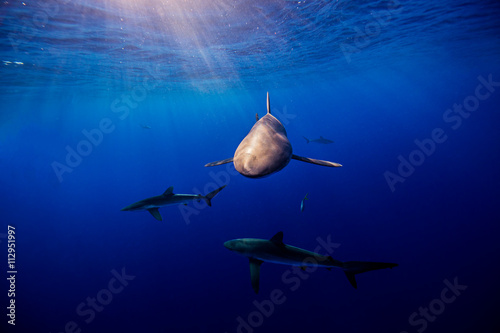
(268, 104)
(278, 239)
(169, 191)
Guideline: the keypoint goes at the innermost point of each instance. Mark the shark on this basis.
(168, 198)
(275, 251)
(302, 202)
(266, 149)
(320, 140)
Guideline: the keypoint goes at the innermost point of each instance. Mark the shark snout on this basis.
(229, 245)
(129, 207)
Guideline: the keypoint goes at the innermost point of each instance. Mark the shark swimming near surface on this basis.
(275, 251)
(320, 140)
(168, 198)
(266, 149)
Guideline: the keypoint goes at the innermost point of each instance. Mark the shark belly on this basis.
(291, 255)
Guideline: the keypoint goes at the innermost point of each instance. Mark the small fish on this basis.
(320, 140)
(302, 203)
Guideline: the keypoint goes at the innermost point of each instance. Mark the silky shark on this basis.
(320, 140)
(302, 203)
(266, 149)
(168, 198)
(275, 251)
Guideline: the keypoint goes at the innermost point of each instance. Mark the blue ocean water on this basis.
(104, 103)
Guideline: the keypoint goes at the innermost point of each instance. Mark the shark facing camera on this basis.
(266, 149)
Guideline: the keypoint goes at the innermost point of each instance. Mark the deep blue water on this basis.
(163, 87)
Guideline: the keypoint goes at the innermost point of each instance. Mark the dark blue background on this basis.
(441, 223)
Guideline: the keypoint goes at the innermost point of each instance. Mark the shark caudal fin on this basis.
(351, 268)
(212, 194)
(306, 139)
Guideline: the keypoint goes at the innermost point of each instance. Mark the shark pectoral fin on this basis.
(156, 213)
(314, 161)
(255, 273)
(169, 191)
(352, 279)
(227, 160)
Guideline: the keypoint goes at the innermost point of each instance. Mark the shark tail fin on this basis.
(351, 268)
(306, 139)
(209, 196)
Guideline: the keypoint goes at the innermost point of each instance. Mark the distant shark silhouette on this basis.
(275, 251)
(168, 198)
(320, 140)
(266, 149)
(302, 202)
